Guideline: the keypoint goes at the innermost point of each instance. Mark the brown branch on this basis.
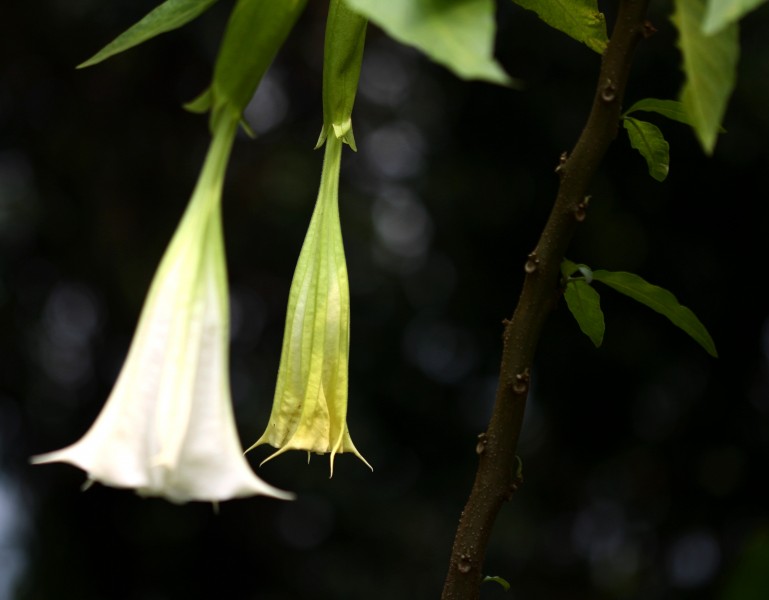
(495, 479)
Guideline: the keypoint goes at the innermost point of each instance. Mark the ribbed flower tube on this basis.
(309, 410)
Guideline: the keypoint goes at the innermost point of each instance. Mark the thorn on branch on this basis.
(464, 564)
(561, 162)
(521, 384)
(480, 447)
(532, 263)
(609, 91)
(581, 210)
(648, 29)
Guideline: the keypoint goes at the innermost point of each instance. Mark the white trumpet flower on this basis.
(167, 428)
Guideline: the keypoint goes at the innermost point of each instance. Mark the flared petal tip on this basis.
(258, 488)
(42, 459)
(237, 486)
(65, 455)
(276, 493)
(344, 445)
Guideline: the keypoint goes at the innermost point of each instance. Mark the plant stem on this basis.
(495, 479)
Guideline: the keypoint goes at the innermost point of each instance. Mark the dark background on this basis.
(645, 461)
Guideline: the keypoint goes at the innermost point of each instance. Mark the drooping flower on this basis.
(309, 411)
(167, 428)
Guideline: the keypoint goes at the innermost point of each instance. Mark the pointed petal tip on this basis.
(284, 495)
(276, 493)
(41, 459)
(274, 454)
(353, 451)
(52, 457)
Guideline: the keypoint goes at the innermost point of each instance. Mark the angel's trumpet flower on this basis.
(309, 411)
(167, 428)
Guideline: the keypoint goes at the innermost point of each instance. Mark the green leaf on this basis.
(459, 34)
(710, 66)
(568, 268)
(202, 103)
(255, 32)
(721, 13)
(585, 304)
(660, 300)
(342, 57)
(496, 579)
(672, 109)
(649, 141)
(579, 19)
(170, 15)
(748, 577)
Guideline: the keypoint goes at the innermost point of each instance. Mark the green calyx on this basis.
(309, 410)
(342, 58)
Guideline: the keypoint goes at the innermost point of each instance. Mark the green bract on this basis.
(167, 428)
(309, 411)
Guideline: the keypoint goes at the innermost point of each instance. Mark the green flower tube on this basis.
(309, 411)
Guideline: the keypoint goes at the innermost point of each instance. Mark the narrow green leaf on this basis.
(585, 304)
(579, 19)
(649, 141)
(458, 34)
(721, 13)
(660, 300)
(672, 109)
(496, 579)
(710, 66)
(255, 32)
(170, 15)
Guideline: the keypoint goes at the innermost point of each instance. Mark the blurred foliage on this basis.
(645, 459)
(749, 579)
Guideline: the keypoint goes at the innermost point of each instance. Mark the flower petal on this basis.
(167, 428)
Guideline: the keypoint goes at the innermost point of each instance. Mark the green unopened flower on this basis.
(167, 428)
(309, 411)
